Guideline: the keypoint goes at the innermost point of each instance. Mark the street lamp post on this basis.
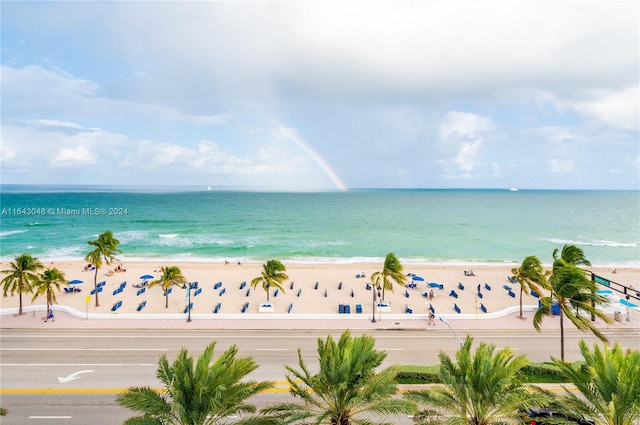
(188, 288)
(443, 320)
(373, 307)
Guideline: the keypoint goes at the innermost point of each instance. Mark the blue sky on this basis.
(322, 95)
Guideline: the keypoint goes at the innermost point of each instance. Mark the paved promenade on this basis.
(507, 319)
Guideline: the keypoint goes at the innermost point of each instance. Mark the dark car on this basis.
(551, 416)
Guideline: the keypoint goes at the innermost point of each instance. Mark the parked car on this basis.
(550, 416)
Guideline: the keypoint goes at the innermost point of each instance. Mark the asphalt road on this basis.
(72, 376)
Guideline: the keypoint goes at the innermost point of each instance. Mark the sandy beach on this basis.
(311, 289)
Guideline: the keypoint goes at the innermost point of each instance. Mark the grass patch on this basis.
(533, 373)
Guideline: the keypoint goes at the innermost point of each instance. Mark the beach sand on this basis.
(304, 298)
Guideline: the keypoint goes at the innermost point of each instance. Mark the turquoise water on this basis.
(420, 226)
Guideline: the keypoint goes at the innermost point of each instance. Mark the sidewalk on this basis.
(508, 320)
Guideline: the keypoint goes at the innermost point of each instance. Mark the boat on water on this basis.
(514, 189)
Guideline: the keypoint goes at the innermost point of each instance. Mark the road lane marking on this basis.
(49, 417)
(84, 349)
(75, 364)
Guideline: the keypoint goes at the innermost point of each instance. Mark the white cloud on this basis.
(462, 133)
(80, 156)
(561, 166)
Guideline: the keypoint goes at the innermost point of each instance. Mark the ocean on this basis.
(420, 226)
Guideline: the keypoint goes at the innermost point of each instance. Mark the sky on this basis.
(331, 95)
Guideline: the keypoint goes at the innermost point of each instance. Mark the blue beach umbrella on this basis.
(75, 282)
(146, 276)
(418, 278)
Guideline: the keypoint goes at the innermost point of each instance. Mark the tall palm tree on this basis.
(20, 276)
(479, 389)
(608, 385)
(391, 272)
(531, 277)
(570, 288)
(170, 276)
(205, 393)
(104, 248)
(273, 275)
(47, 284)
(346, 387)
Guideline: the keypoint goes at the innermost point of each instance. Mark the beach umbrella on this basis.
(75, 282)
(418, 278)
(146, 276)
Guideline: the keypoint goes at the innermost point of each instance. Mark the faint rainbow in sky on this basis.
(310, 152)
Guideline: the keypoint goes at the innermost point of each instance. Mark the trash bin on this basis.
(617, 316)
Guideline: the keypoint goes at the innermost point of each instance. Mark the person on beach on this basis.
(431, 295)
(50, 316)
(431, 319)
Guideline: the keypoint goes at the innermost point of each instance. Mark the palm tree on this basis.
(571, 254)
(105, 248)
(346, 386)
(608, 385)
(47, 284)
(205, 393)
(273, 275)
(170, 276)
(570, 288)
(20, 276)
(391, 271)
(479, 389)
(531, 277)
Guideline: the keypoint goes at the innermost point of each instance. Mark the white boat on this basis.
(513, 189)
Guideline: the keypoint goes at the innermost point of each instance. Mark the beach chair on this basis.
(299, 292)
(431, 309)
(243, 284)
(487, 287)
(222, 292)
(512, 294)
(244, 307)
(339, 285)
(453, 294)
(359, 308)
(406, 293)
(408, 310)
(188, 307)
(291, 286)
(483, 308)
(198, 291)
(217, 309)
(340, 308)
(141, 306)
(93, 291)
(116, 291)
(276, 292)
(100, 289)
(461, 286)
(347, 309)
(169, 291)
(507, 287)
(290, 308)
(115, 306)
(480, 294)
(456, 308)
(101, 284)
(352, 294)
(535, 294)
(248, 292)
(69, 290)
(140, 291)
(316, 285)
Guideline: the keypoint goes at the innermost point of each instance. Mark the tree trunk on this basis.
(561, 335)
(166, 299)
(95, 285)
(521, 301)
(20, 308)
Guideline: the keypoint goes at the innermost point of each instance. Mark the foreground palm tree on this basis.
(170, 276)
(572, 291)
(479, 389)
(20, 277)
(47, 284)
(345, 390)
(273, 275)
(608, 382)
(531, 277)
(391, 272)
(105, 248)
(571, 254)
(205, 393)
